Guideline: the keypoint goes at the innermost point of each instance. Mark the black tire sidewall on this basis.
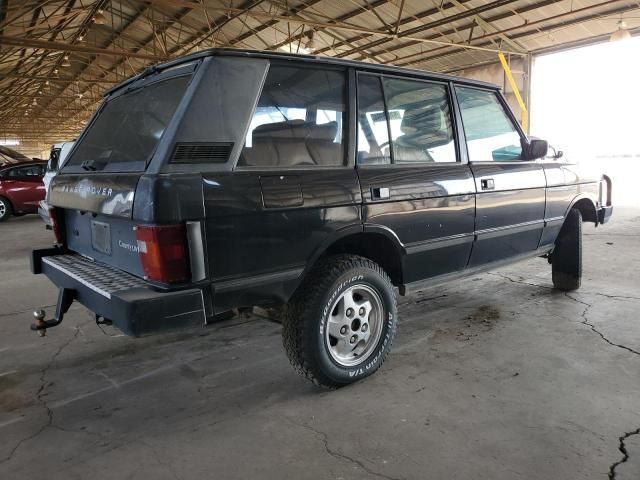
(7, 209)
(328, 367)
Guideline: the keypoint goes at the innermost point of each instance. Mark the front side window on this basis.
(490, 133)
(420, 120)
(127, 130)
(299, 120)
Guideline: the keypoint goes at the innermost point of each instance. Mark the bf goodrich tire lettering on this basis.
(324, 340)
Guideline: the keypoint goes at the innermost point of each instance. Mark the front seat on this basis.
(421, 130)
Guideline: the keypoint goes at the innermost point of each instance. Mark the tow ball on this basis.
(65, 299)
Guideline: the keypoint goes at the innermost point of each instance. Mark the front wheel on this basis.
(566, 258)
(340, 323)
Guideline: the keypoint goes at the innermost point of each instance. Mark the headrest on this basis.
(288, 129)
(325, 131)
(421, 120)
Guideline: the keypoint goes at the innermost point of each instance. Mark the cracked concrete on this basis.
(613, 470)
(494, 377)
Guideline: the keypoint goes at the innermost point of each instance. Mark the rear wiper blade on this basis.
(88, 165)
(92, 165)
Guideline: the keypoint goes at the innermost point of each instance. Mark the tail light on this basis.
(57, 224)
(163, 252)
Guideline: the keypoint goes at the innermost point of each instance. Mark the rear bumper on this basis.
(129, 302)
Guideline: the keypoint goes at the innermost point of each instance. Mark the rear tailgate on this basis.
(98, 221)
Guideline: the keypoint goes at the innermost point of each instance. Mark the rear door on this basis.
(510, 199)
(413, 181)
(292, 187)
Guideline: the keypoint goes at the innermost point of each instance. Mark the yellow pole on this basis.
(524, 117)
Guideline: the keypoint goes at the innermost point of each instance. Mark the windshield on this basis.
(127, 130)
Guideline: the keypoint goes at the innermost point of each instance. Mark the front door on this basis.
(413, 182)
(510, 198)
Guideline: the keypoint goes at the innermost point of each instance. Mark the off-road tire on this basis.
(306, 315)
(7, 211)
(566, 259)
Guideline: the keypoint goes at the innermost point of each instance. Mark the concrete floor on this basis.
(494, 377)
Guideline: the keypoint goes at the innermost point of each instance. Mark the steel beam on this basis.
(68, 47)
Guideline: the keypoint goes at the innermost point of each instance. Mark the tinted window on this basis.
(490, 132)
(129, 127)
(26, 171)
(373, 131)
(421, 127)
(299, 120)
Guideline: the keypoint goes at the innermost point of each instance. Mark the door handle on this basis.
(379, 193)
(487, 184)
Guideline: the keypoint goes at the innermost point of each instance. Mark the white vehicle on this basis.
(57, 158)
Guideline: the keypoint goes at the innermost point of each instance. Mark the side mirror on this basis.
(536, 148)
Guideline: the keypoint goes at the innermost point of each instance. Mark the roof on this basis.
(235, 52)
(57, 57)
(5, 166)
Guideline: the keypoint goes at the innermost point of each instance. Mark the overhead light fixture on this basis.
(80, 37)
(55, 72)
(65, 61)
(311, 42)
(46, 82)
(99, 18)
(621, 34)
(35, 102)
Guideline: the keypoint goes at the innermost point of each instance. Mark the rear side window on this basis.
(490, 133)
(299, 120)
(26, 171)
(373, 128)
(127, 130)
(420, 121)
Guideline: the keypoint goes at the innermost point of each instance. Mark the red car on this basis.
(21, 188)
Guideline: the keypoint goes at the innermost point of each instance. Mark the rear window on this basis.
(127, 130)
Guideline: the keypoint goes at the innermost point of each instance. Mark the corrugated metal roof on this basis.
(58, 56)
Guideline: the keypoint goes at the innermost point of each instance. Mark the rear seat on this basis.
(324, 151)
(293, 143)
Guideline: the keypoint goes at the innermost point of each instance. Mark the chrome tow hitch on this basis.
(65, 299)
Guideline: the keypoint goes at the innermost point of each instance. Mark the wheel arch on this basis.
(587, 207)
(376, 243)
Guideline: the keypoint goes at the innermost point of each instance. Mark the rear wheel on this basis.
(566, 259)
(5, 209)
(339, 326)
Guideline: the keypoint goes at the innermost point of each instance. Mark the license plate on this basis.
(101, 237)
